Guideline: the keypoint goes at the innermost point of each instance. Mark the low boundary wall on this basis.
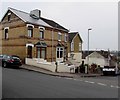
(51, 66)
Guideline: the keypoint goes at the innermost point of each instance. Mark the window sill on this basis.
(6, 39)
(9, 21)
(59, 40)
(29, 37)
(41, 39)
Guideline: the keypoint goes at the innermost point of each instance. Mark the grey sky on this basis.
(102, 17)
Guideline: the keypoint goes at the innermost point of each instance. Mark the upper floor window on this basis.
(72, 46)
(9, 16)
(6, 33)
(59, 36)
(80, 48)
(30, 31)
(42, 33)
(66, 37)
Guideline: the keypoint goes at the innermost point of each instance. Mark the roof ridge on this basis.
(51, 20)
(46, 18)
(25, 16)
(56, 24)
(17, 10)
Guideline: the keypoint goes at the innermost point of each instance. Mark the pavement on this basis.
(59, 74)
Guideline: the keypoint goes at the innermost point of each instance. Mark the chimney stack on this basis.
(36, 14)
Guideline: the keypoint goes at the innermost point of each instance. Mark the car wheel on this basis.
(4, 64)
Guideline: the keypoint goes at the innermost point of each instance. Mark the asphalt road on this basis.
(20, 83)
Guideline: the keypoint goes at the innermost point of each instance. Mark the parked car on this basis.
(10, 61)
(111, 70)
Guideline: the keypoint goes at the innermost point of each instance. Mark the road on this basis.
(20, 83)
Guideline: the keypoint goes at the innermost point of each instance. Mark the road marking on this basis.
(102, 84)
(76, 79)
(89, 82)
(111, 86)
(117, 87)
(114, 86)
(81, 80)
(69, 78)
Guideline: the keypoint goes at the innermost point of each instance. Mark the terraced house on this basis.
(29, 35)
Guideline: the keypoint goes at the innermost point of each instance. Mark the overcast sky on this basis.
(102, 17)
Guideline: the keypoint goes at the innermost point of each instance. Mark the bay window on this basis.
(60, 52)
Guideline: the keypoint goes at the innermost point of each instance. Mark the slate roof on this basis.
(53, 24)
(28, 19)
(72, 35)
(85, 54)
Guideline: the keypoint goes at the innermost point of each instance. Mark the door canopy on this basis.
(41, 44)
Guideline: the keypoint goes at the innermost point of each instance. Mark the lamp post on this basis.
(88, 47)
(52, 42)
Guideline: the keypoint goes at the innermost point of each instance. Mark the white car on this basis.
(110, 70)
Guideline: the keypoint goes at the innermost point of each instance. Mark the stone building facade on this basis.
(28, 35)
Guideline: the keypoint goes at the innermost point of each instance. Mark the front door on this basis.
(59, 54)
(29, 52)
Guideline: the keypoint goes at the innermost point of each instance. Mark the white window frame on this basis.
(29, 25)
(30, 32)
(80, 47)
(29, 35)
(59, 36)
(66, 37)
(40, 27)
(9, 15)
(41, 32)
(58, 49)
(72, 46)
(6, 33)
(29, 44)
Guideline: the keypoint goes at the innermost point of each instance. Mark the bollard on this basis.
(56, 66)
